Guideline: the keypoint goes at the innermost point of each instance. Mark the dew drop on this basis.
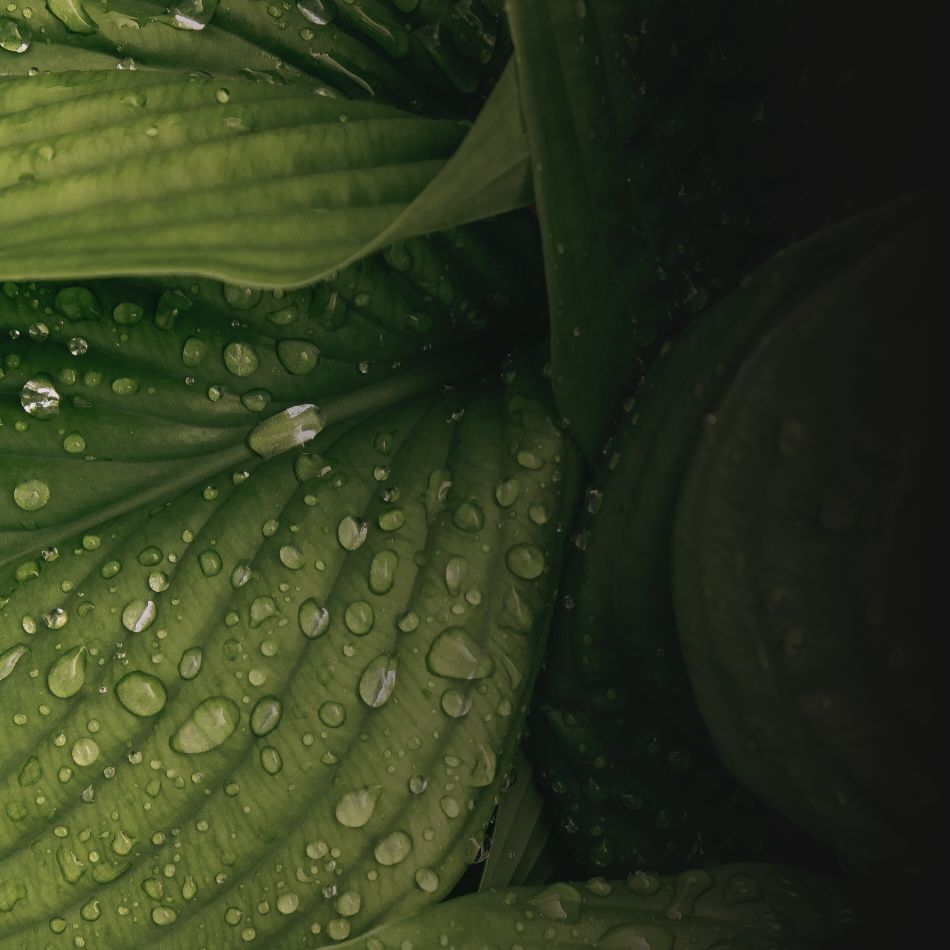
(138, 615)
(378, 681)
(356, 808)
(189, 666)
(266, 715)
(359, 617)
(525, 561)
(393, 849)
(298, 357)
(240, 359)
(210, 724)
(31, 495)
(351, 533)
(314, 619)
(9, 659)
(141, 693)
(382, 572)
(67, 675)
(456, 655)
(39, 398)
(427, 880)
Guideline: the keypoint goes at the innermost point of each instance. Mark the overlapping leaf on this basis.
(739, 905)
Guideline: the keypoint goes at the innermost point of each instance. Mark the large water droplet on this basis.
(266, 715)
(455, 654)
(210, 724)
(427, 880)
(298, 357)
(469, 517)
(392, 849)
(382, 572)
(139, 615)
(356, 808)
(351, 533)
(31, 495)
(240, 359)
(85, 751)
(378, 681)
(39, 398)
(314, 619)
(525, 561)
(67, 675)
(196, 15)
(15, 35)
(77, 303)
(455, 703)
(10, 658)
(319, 12)
(141, 693)
(286, 430)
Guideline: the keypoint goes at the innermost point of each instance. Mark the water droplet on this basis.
(85, 751)
(314, 619)
(525, 561)
(359, 617)
(455, 704)
(455, 570)
(67, 675)
(210, 563)
(261, 609)
(298, 357)
(240, 359)
(141, 693)
(393, 849)
(210, 724)
(485, 767)
(163, 916)
(291, 557)
(71, 14)
(266, 715)
(31, 772)
(196, 15)
(408, 622)
(378, 681)
(392, 519)
(9, 659)
(286, 430)
(74, 443)
(529, 460)
(31, 495)
(39, 398)
(507, 491)
(319, 12)
(636, 936)
(455, 654)
(189, 666)
(382, 572)
(271, 761)
(469, 517)
(332, 714)
(77, 303)
(139, 615)
(15, 35)
(356, 808)
(427, 880)
(194, 352)
(351, 533)
(127, 314)
(241, 574)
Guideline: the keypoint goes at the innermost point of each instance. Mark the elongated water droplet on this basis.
(67, 675)
(356, 808)
(195, 15)
(378, 681)
(9, 659)
(211, 723)
(455, 654)
(265, 717)
(141, 693)
(189, 666)
(15, 35)
(359, 617)
(319, 12)
(139, 615)
(382, 572)
(351, 533)
(286, 430)
(314, 618)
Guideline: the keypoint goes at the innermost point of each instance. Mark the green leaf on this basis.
(153, 386)
(799, 577)
(739, 905)
(275, 693)
(679, 143)
(429, 59)
(626, 761)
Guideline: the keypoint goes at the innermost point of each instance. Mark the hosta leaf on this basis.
(112, 389)
(433, 57)
(679, 143)
(117, 174)
(626, 761)
(747, 906)
(278, 706)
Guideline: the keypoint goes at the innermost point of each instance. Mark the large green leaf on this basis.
(118, 173)
(679, 143)
(739, 906)
(800, 572)
(281, 702)
(627, 762)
